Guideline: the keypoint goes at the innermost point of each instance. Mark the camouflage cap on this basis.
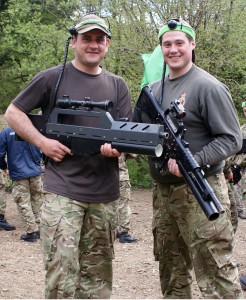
(90, 22)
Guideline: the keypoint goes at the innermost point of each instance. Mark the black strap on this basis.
(53, 100)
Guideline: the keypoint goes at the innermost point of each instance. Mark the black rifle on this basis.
(129, 137)
(176, 147)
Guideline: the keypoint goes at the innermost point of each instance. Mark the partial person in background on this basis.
(23, 161)
(241, 186)
(238, 170)
(238, 163)
(231, 193)
(123, 212)
(3, 222)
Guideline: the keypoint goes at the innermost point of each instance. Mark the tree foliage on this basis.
(33, 35)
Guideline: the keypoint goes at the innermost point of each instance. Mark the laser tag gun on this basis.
(129, 137)
(177, 148)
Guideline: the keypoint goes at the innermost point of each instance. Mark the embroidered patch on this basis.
(182, 99)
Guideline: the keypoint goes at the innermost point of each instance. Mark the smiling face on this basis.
(177, 52)
(90, 48)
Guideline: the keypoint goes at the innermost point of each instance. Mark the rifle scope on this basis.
(65, 102)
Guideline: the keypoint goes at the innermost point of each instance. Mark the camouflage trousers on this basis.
(185, 241)
(240, 192)
(233, 206)
(124, 210)
(2, 193)
(28, 195)
(238, 198)
(77, 243)
(2, 200)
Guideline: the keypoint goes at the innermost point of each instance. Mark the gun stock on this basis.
(176, 147)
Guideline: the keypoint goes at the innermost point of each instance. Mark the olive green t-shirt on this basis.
(84, 178)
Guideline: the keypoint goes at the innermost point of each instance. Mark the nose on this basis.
(173, 48)
(93, 44)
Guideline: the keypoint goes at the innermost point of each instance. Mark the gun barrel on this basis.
(206, 202)
(179, 149)
(138, 149)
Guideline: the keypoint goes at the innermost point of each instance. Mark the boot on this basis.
(124, 237)
(31, 237)
(241, 215)
(243, 282)
(5, 225)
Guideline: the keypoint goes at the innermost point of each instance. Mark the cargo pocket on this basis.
(104, 237)
(50, 218)
(98, 230)
(217, 238)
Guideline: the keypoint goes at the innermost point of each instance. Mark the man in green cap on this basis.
(183, 236)
(81, 192)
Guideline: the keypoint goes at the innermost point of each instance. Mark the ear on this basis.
(193, 44)
(73, 42)
(107, 42)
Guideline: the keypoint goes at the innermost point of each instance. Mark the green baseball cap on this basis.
(179, 25)
(243, 103)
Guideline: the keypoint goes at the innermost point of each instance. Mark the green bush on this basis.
(139, 172)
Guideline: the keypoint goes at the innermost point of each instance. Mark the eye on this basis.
(86, 38)
(166, 45)
(100, 40)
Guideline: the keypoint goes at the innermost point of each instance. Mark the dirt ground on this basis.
(135, 271)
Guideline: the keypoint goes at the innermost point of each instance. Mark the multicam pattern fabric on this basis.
(178, 221)
(124, 209)
(124, 174)
(2, 201)
(28, 195)
(2, 193)
(241, 187)
(232, 195)
(77, 236)
(233, 208)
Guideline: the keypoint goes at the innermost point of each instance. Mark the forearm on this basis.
(219, 149)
